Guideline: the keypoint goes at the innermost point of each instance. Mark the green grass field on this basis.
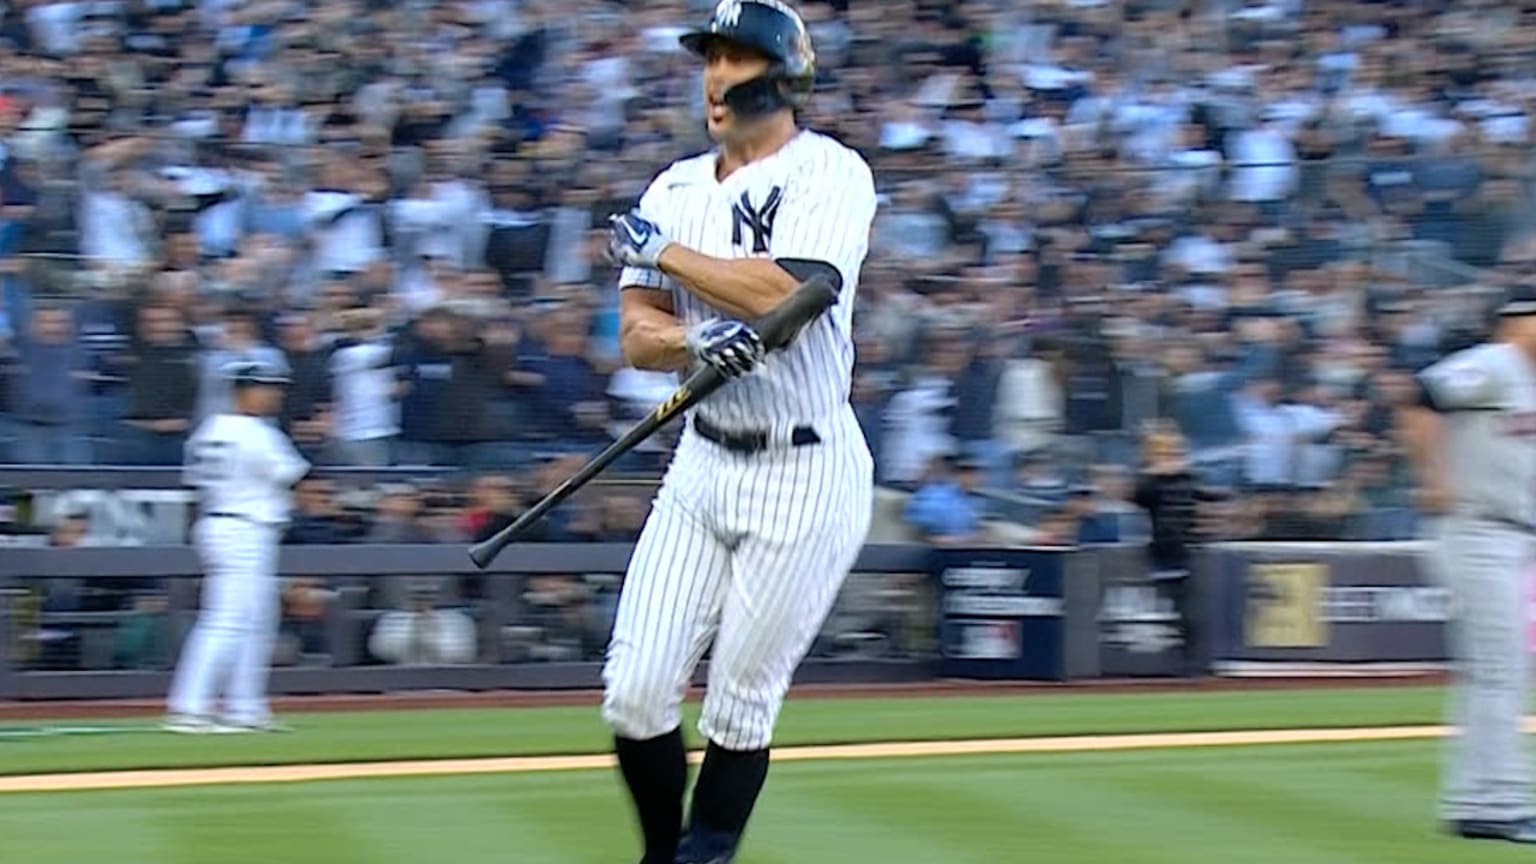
(1287, 804)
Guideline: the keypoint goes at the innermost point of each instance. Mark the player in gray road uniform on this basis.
(1472, 439)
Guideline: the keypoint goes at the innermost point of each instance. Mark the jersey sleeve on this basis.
(192, 466)
(652, 207)
(283, 463)
(1467, 381)
(826, 215)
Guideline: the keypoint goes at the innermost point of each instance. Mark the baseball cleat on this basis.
(696, 851)
(186, 724)
(1517, 831)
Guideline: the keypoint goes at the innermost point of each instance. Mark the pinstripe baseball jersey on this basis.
(743, 553)
(813, 199)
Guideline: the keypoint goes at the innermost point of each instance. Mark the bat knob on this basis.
(481, 554)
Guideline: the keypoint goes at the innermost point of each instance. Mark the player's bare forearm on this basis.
(1424, 439)
(745, 288)
(651, 337)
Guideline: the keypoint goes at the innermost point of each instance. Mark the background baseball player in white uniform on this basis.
(768, 498)
(1473, 443)
(244, 469)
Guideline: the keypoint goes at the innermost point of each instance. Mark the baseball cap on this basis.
(968, 463)
(256, 372)
(1520, 301)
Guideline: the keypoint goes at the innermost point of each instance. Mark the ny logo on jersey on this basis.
(759, 220)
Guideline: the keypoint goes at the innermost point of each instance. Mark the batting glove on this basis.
(635, 241)
(731, 347)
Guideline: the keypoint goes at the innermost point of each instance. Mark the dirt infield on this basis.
(88, 710)
(522, 765)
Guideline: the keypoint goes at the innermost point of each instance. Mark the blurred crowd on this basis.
(1249, 219)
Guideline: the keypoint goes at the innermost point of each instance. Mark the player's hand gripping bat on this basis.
(777, 329)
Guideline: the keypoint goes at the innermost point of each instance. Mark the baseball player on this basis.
(1472, 440)
(768, 498)
(244, 469)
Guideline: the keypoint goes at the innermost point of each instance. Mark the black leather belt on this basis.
(1508, 522)
(750, 441)
(241, 516)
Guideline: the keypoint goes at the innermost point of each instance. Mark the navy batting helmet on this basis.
(252, 373)
(1521, 300)
(773, 29)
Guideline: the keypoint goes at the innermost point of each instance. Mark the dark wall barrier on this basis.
(1012, 613)
(1345, 603)
(906, 613)
(538, 620)
(1137, 629)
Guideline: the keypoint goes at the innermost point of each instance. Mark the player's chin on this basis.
(719, 130)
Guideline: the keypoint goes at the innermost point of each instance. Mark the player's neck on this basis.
(1528, 350)
(773, 136)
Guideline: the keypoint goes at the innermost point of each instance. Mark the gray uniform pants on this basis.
(1487, 567)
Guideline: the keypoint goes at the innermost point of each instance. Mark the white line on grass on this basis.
(161, 778)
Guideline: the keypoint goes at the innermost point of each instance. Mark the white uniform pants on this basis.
(746, 552)
(229, 651)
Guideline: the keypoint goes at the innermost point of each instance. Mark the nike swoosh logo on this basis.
(636, 236)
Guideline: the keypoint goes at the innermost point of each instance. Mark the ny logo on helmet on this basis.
(728, 12)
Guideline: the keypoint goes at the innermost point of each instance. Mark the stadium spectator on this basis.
(620, 518)
(317, 516)
(51, 398)
(1028, 412)
(945, 510)
(568, 396)
(481, 353)
(343, 212)
(116, 228)
(975, 400)
(106, 324)
(1107, 508)
(559, 606)
(306, 414)
(517, 229)
(1040, 478)
(145, 637)
(365, 416)
(237, 337)
(1278, 433)
(421, 633)
(301, 634)
(920, 417)
(162, 388)
(1059, 529)
(424, 366)
(397, 516)
(493, 505)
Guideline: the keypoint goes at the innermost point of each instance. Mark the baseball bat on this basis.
(777, 329)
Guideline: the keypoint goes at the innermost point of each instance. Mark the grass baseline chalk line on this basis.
(163, 778)
(10, 734)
